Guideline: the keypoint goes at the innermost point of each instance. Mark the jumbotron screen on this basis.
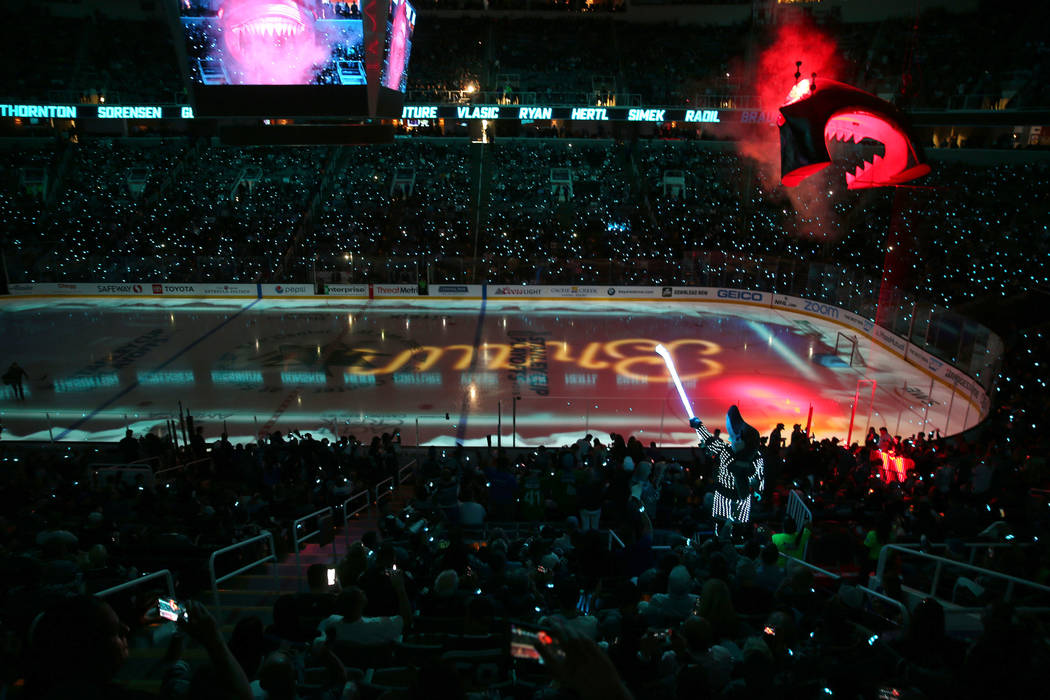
(294, 58)
(273, 42)
(401, 23)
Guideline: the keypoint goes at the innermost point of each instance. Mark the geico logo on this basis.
(735, 294)
(822, 309)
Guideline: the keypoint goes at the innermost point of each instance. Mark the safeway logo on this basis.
(158, 289)
(136, 288)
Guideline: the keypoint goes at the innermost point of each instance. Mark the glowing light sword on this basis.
(663, 352)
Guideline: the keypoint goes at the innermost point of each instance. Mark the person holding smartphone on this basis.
(581, 665)
(77, 647)
(349, 623)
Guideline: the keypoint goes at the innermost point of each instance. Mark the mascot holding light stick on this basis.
(740, 471)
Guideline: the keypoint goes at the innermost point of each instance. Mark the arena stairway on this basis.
(251, 593)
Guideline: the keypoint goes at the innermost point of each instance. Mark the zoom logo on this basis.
(822, 309)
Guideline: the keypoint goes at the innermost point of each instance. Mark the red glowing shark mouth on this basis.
(898, 164)
(826, 112)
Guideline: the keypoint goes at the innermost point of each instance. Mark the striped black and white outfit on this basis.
(728, 505)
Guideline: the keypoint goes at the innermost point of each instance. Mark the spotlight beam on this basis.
(663, 352)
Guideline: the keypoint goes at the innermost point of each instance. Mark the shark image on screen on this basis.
(273, 42)
(402, 23)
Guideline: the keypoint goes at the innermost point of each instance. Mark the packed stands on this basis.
(850, 584)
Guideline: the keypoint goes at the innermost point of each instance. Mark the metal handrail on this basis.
(96, 466)
(264, 535)
(795, 560)
(348, 514)
(892, 601)
(146, 472)
(513, 528)
(800, 513)
(195, 461)
(163, 573)
(145, 461)
(406, 471)
(972, 546)
(298, 540)
(941, 562)
(382, 492)
(797, 509)
(157, 474)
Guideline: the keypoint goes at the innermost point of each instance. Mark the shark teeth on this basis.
(846, 135)
(864, 171)
(269, 28)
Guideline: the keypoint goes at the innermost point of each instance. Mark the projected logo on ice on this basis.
(369, 359)
(273, 42)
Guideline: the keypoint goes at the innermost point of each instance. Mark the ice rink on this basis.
(442, 371)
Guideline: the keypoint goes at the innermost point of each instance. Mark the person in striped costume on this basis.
(740, 470)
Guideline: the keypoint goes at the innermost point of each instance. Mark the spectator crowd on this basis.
(605, 543)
